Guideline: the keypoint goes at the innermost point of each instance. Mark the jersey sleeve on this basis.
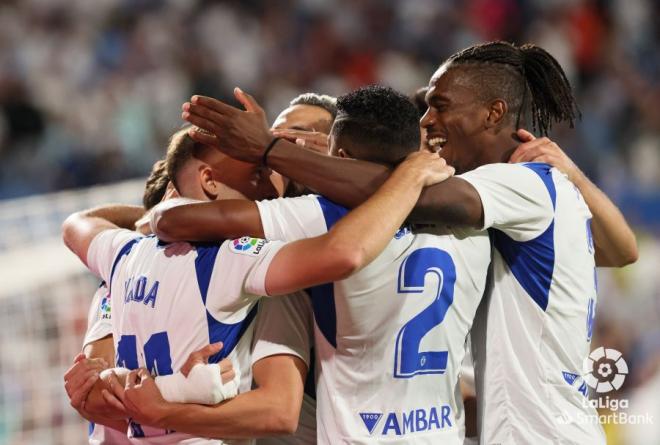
(284, 326)
(517, 199)
(291, 219)
(233, 274)
(99, 321)
(105, 248)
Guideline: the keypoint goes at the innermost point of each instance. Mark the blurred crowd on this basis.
(91, 90)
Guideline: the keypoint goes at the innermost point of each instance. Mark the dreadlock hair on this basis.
(156, 185)
(380, 124)
(527, 77)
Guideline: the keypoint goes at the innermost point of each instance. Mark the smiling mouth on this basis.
(437, 142)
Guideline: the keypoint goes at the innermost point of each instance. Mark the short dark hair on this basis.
(328, 103)
(527, 77)
(156, 185)
(380, 122)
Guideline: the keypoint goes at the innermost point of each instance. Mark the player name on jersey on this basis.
(136, 290)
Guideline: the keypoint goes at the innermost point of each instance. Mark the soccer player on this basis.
(218, 284)
(310, 113)
(535, 328)
(98, 347)
(313, 114)
(390, 339)
(273, 367)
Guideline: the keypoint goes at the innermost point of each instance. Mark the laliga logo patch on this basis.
(247, 245)
(604, 370)
(244, 243)
(105, 308)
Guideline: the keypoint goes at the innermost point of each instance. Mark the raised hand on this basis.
(240, 134)
(314, 140)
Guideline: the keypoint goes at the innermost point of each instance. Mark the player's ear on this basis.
(497, 109)
(209, 184)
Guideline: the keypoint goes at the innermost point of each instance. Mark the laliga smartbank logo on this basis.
(604, 370)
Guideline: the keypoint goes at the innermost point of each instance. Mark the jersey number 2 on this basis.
(156, 353)
(408, 359)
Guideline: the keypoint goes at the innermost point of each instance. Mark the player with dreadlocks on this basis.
(534, 327)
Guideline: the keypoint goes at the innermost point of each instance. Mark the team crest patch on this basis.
(371, 420)
(247, 245)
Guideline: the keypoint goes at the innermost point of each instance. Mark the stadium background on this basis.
(90, 91)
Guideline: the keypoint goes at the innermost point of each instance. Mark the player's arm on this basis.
(271, 409)
(79, 229)
(83, 385)
(348, 182)
(358, 237)
(275, 402)
(89, 381)
(614, 240)
(178, 220)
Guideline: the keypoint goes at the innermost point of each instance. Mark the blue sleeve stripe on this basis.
(122, 253)
(204, 264)
(532, 262)
(543, 170)
(325, 311)
(332, 212)
(228, 334)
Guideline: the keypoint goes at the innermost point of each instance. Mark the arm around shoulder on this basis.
(614, 241)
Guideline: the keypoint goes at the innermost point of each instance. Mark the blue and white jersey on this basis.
(99, 316)
(389, 340)
(171, 300)
(534, 328)
(99, 325)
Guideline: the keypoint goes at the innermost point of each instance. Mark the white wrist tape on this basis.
(203, 385)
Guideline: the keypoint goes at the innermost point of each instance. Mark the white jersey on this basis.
(390, 339)
(99, 325)
(99, 318)
(169, 301)
(533, 330)
(286, 326)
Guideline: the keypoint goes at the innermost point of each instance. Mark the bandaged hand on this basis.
(203, 384)
(200, 382)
